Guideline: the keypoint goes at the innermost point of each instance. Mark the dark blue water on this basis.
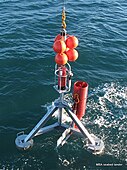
(27, 31)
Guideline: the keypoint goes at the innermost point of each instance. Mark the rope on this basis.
(76, 98)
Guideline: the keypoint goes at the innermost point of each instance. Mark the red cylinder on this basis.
(62, 79)
(80, 90)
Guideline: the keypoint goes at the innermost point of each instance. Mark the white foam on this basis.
(106, 108)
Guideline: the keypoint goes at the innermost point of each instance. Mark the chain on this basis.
(63, 18)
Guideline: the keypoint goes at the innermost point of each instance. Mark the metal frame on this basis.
(94, 144)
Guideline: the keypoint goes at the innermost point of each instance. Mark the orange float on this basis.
(59, 37)
(59, 46)
(71, 42)
(61, 59)
(72, 54)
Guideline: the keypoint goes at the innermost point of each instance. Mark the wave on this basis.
(106, 112)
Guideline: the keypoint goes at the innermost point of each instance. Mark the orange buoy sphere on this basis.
(59, 46)
(72, 54)
(59, 37)
(72, 42)
(61, 59)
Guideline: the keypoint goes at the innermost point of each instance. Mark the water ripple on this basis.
(27, 33)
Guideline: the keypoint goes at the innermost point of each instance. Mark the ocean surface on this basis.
(27, 32)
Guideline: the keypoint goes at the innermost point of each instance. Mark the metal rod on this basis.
(60, 109)
(60, 116)
(47, 129)
(80, 125)
(40, 124)
(61, 97)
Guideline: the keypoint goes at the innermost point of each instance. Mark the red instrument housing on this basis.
(80, 93)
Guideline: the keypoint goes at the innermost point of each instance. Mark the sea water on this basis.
(27, 32)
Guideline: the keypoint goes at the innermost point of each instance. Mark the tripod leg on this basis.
(40, 124)
(80, 125)
(24, 142)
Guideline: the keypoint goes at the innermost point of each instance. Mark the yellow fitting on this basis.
(63, 17)
(64, 25)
